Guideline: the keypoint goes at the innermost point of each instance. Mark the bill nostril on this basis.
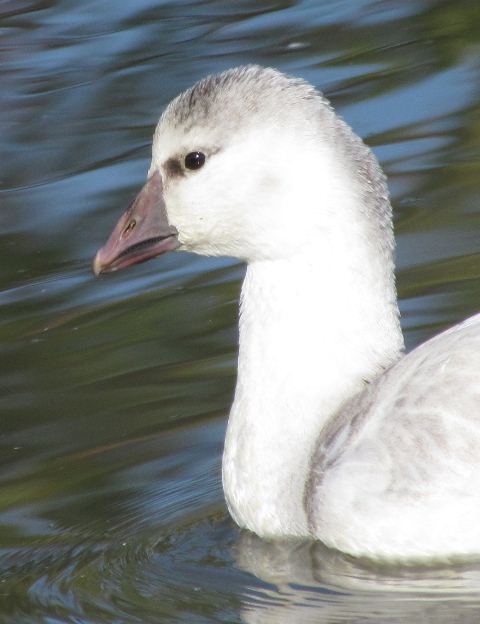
(129, 228)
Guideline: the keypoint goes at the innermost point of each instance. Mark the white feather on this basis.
(322, 441)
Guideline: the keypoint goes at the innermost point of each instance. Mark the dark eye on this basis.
(194, 160)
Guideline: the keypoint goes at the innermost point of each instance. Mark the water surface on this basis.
(114, 392)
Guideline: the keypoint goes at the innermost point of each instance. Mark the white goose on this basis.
(333, 434)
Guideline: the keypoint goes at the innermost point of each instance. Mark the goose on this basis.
(334, 434)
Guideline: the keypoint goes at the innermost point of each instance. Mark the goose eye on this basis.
(194, 160)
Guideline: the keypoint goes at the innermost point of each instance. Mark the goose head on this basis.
(249, 163)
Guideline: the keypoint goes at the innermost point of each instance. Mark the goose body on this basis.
(334, 433)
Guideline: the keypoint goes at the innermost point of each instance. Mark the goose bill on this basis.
(143, 231)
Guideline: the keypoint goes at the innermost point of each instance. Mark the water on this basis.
(114, 391)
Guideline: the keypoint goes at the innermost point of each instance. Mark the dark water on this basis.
(114, 391)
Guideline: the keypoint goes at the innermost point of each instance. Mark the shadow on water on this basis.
(204, 568)
(114, 392)
(310, 582)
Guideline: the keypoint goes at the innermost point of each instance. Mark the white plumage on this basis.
(333, 433)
